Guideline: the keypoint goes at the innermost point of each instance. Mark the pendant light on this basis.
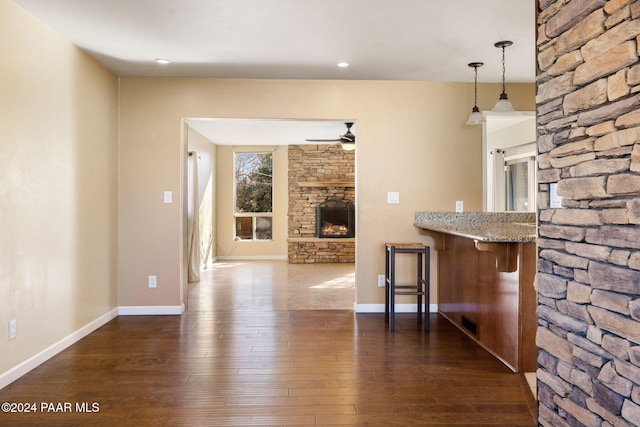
(503, 104)
(476, 117)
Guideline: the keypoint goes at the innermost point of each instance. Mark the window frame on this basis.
(506, 157)
(252, 215)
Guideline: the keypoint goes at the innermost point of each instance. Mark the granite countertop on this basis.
(518, 227)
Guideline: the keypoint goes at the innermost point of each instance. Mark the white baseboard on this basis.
(150, 310)
(400, 308)
(36, 360)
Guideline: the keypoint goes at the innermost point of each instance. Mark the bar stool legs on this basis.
(421, 287)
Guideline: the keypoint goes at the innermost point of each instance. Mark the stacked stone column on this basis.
(588, 280)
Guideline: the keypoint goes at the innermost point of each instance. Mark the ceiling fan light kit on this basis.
(349, 146)
(348, 140)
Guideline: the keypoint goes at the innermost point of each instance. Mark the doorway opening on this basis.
(219, 140)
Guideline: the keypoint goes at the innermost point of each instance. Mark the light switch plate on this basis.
(555, 201)
(12, 329)
(393, 197)
(168, 197)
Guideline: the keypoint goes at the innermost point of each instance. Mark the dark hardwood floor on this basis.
(226, 363)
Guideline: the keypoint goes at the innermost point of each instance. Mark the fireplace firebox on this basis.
(335, 218)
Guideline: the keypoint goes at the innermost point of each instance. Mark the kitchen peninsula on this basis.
(486, 270)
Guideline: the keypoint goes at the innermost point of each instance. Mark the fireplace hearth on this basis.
(335, 218)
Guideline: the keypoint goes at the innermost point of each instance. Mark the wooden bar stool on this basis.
(419, 289)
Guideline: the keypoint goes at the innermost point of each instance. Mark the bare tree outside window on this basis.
(253, 196)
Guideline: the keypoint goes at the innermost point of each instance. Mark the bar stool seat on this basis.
(419, 289)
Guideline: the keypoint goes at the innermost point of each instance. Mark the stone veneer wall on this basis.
(318, 173)
(588, 281)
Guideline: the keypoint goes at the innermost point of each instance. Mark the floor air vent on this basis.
(469, 324)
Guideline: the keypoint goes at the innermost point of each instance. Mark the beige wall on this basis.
(58, 188)
(412, 138)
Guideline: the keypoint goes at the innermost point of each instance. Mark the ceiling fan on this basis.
(348, 140)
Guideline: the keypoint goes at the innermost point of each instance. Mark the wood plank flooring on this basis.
(243, 356)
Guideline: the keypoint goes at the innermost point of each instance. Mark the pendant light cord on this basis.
(504, 70)
(475, 66)
(475, 87)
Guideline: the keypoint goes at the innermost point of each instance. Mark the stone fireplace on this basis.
(321, 181)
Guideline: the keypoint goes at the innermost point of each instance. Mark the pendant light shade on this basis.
(476, 117)
(503, 104)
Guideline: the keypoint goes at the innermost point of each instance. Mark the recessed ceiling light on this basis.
(162, 61)
(343, 64)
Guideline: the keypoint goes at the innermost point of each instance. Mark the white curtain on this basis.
(498, 180)
(193, 221)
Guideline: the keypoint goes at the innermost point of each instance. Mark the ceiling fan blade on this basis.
(347, 138)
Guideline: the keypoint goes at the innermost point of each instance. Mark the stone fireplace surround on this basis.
(318, 173)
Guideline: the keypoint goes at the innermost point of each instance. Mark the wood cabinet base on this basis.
(495, 308)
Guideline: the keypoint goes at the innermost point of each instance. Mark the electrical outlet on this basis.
(153, 282)
(381, 280)
(12, 329)
(459, 206)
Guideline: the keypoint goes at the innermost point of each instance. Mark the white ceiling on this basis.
(430, 40)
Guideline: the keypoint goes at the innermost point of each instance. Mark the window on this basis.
(519, 179)
(515, 178)
(509, 173)
(253, 196)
